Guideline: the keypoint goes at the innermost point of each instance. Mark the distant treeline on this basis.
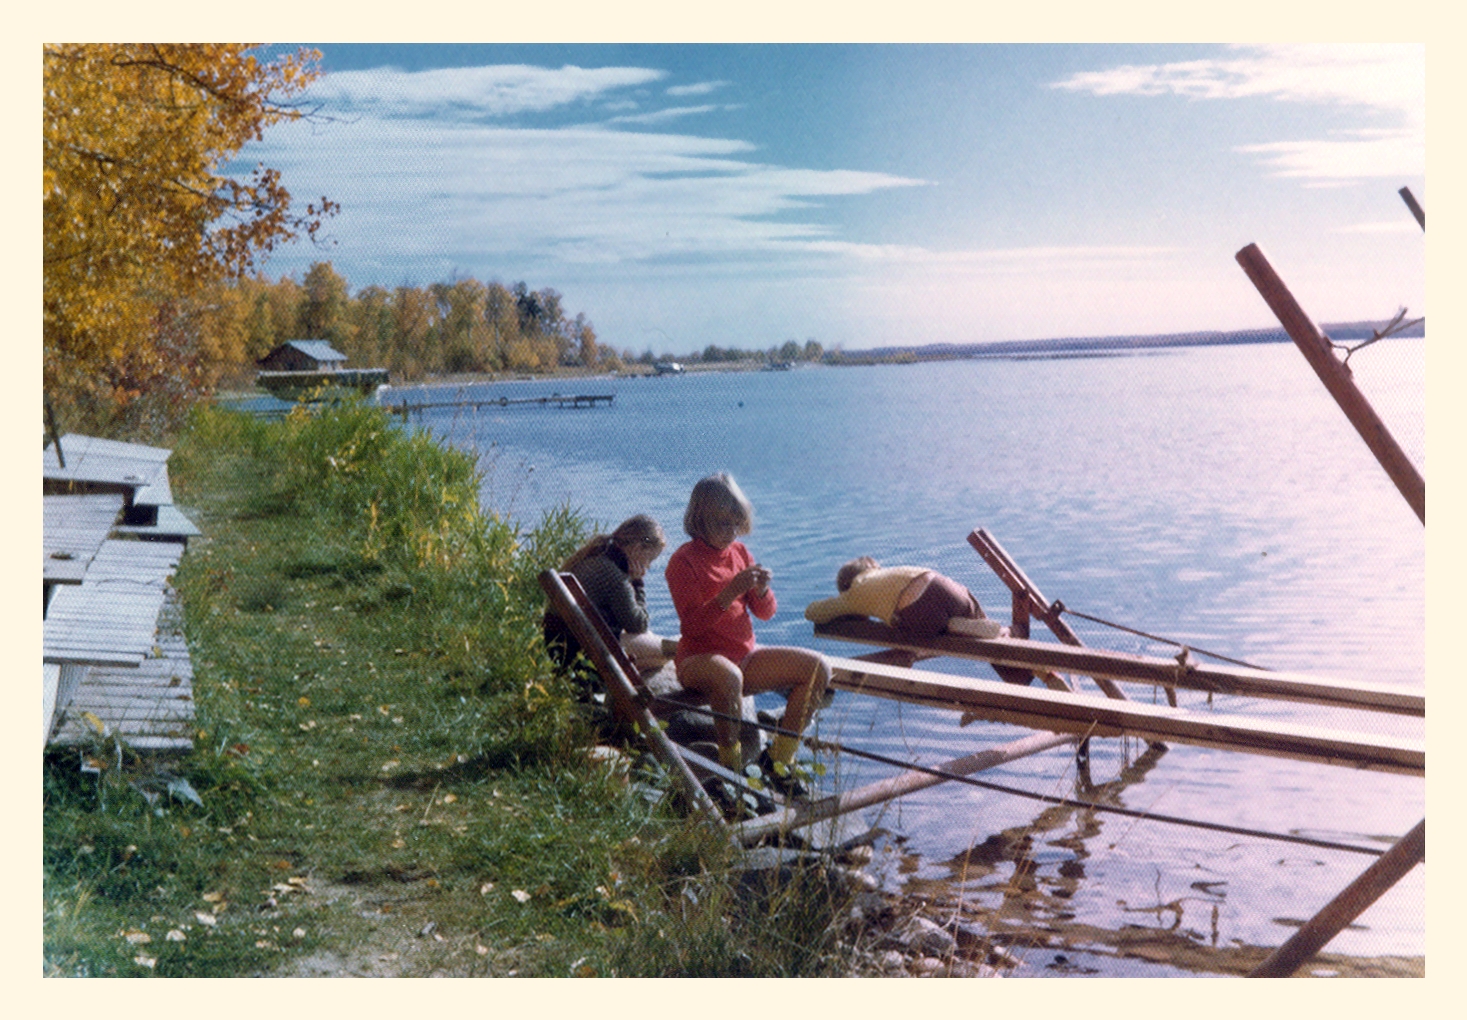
(460, 327)
(1061, 346)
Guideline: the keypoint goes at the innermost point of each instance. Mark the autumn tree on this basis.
(139, 217)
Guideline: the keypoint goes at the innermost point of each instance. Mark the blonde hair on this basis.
(717, 500)
(636, 530)
(848, 572)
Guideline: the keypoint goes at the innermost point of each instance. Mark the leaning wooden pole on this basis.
(1336, 378)
(625, 697)
(1373, 882)
(1414, 206)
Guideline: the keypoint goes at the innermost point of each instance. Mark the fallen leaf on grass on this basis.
(482, 950)
(138, 938)
(213, 897)
(174, 935)
(486, 888)
(303, 702)
(207, 920)
(143, 960)
(521, 895)
(449, 798)
(299, 933)
(398, 844)
(388, 766)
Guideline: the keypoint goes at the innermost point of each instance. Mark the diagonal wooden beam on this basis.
(1034, 604)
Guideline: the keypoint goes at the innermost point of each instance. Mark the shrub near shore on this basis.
(387, 777)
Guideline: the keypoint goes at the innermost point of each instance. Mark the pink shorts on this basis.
(942, 600)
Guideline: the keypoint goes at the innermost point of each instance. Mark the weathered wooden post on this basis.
(1336, 378)
(1414, 206)
(1373, 882)
(629, 707)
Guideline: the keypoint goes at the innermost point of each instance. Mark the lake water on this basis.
(1216, 496)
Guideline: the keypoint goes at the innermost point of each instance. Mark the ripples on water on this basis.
(1213, 495)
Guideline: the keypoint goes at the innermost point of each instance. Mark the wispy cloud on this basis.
(662, 116)
(472, 193)
(1390, 79)
(495, 91)
(701, 88)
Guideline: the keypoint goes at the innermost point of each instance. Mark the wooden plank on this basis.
(90, 461)
(1217, 679)
(171, 523)
(126, 559)
(102, 625)
(73, 529)
(50, 686)
(801, 815)
(1026, 590)
(1086, 715)
(1372, 883)
(570, 602)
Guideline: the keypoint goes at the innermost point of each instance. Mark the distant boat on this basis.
(668, 368)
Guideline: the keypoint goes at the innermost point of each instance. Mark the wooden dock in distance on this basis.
(404, 407)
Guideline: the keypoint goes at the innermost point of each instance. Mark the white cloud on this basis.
(478, 194)
(661, 116)
(702, 88)
(1387, 79)
(494, 91)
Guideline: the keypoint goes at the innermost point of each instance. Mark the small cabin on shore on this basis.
(303, 356)
(301, 368)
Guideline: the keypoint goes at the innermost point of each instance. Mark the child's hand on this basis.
(755, 578)
(762, 577)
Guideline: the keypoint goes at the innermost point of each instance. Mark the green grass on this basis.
(388, 767)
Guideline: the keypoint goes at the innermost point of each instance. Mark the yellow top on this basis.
(872, 593)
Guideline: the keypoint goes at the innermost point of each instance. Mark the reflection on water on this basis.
(1212, 495)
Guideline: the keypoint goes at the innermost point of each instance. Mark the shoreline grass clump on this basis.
(387, 775)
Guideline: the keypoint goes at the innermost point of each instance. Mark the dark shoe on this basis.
(782, 778)
(735, 804)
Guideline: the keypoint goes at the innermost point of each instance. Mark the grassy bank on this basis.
(388, 778)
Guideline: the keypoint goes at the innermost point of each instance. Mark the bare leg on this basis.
(798, 670)
(645, 650)
(722, 682)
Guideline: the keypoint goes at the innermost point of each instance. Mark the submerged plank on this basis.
(1103, 717)
(1096, 662)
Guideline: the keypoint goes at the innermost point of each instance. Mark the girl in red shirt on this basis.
(715, 585)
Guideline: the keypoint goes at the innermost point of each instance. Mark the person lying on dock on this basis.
(715, 585)
(611, 569)
(916, 600)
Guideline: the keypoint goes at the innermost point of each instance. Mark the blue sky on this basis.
(869, 195)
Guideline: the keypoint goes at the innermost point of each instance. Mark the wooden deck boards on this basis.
(1086, 715)
(101, 464)
(102, 625)
(74, 528)
(123, 559)
(113, 644)
(150, 706)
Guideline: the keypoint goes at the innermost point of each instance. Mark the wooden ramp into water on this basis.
(1087, 715)
(1186, 674)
